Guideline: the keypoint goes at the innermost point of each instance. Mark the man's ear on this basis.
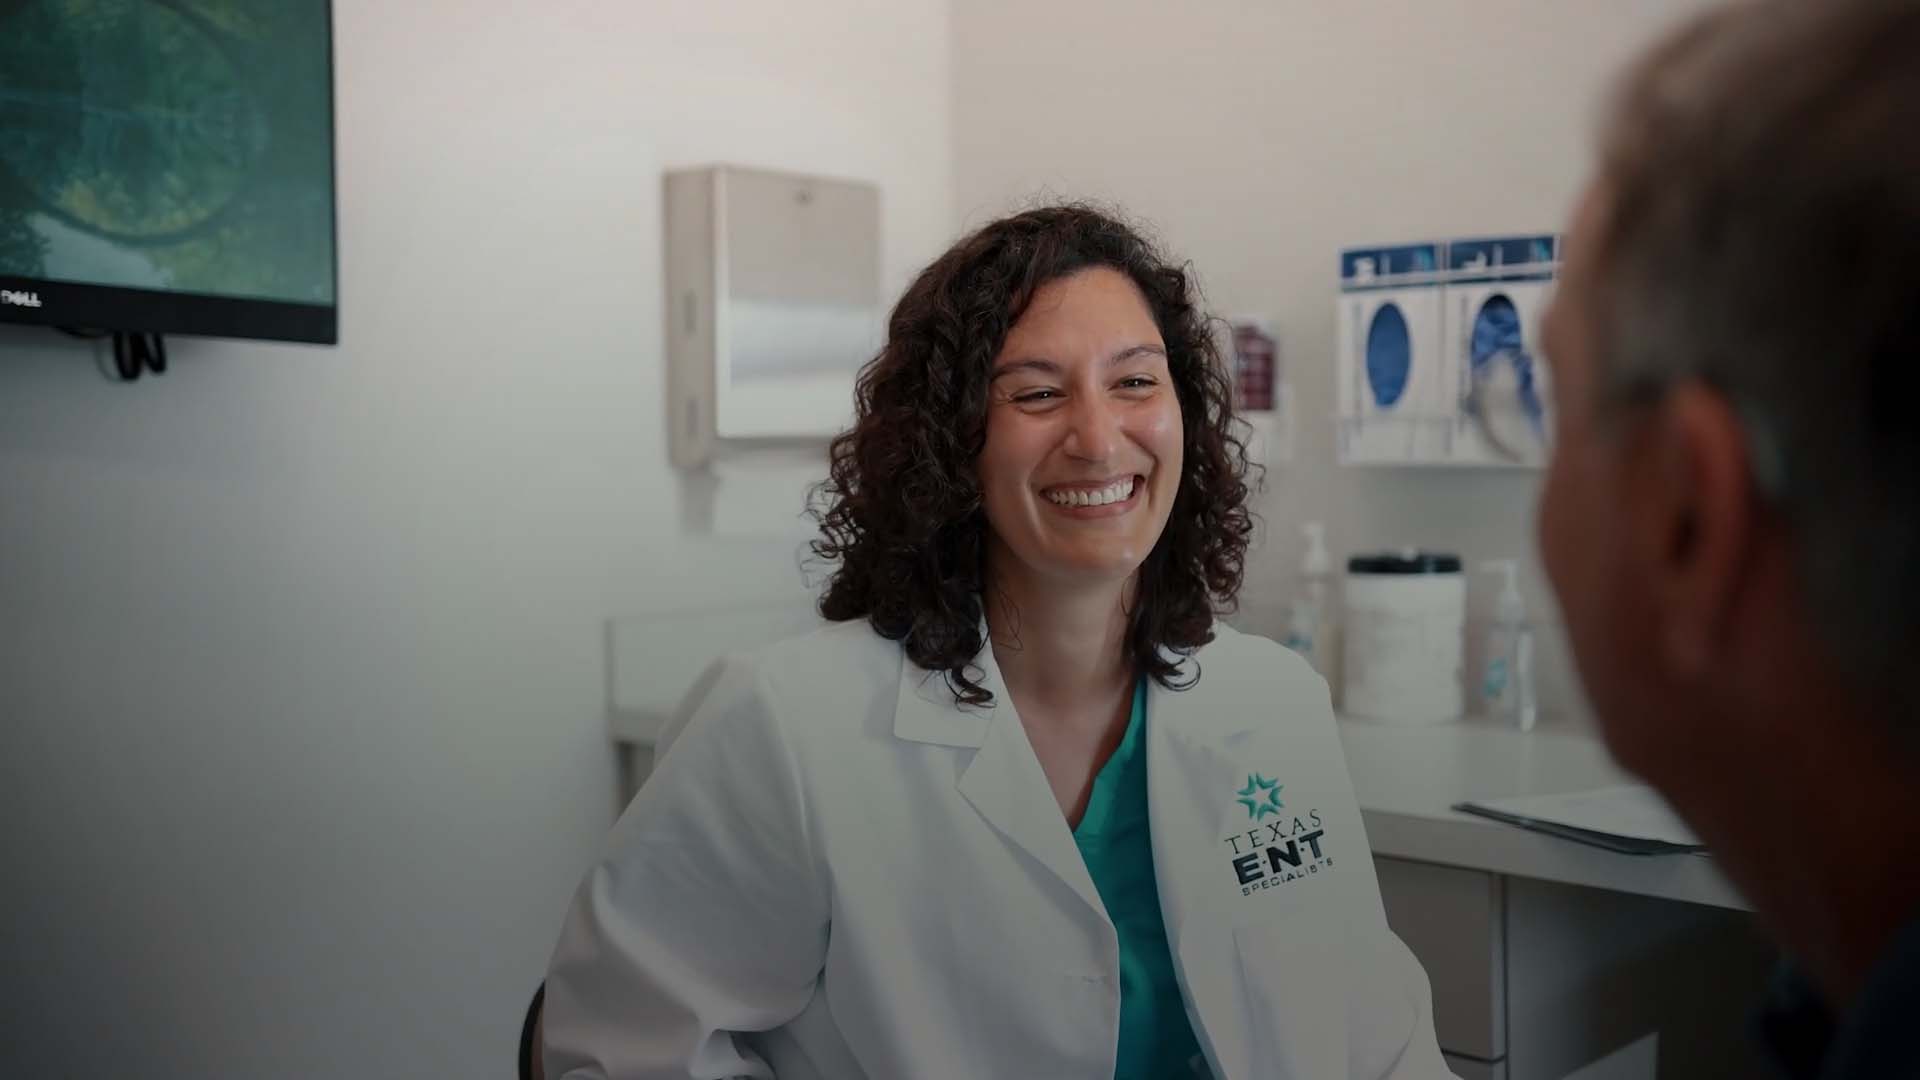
(1696, 516)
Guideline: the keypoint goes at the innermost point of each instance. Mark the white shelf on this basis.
(1421, 442)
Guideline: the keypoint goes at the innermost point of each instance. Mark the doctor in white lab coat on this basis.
(900, 846)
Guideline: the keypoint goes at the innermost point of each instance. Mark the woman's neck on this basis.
(1062, 647)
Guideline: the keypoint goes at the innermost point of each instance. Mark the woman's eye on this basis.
(1035, 395)
(1136, 382)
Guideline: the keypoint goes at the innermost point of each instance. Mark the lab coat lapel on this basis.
(1190, 779)
(1004, 782)
(1007, 786)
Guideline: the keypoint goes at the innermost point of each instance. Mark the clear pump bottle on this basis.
(1310, 619)
(1506, 688)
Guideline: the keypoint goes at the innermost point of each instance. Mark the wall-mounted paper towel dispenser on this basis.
(773, 304)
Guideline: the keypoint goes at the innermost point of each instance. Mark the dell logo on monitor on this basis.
(19, 299)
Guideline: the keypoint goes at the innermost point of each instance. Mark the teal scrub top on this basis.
(1156, 1039)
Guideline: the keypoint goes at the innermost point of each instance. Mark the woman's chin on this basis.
(1082, 569)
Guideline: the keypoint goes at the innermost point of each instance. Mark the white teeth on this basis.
(1118, 491)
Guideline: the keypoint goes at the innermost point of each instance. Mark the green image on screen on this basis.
(182, 145)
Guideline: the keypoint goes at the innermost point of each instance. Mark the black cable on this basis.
(134, 354)
(529, 1047)
(124, 360)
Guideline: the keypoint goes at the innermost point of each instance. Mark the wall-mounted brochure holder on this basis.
(1270, 431)
(1262, 391)
(1439, 361)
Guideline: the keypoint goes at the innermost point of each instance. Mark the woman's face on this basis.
(1083, 449)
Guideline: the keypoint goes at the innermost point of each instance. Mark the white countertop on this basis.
(1409, 777)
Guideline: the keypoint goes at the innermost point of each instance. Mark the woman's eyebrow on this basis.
(1031, 363)
(1132, 351)
(1048, 367)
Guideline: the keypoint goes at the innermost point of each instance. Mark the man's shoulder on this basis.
(1872, 1039)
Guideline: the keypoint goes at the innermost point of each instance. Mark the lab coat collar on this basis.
(927, 712)
(1190, 736)
(925, 709)
(1004, 781)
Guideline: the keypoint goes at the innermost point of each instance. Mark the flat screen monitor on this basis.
(166, 166)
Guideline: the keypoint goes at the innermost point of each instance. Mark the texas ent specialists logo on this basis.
(1273, 853)
(19, 299)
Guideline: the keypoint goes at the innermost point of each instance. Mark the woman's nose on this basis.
(1094, 431)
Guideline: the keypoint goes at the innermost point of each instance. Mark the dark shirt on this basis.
(1878, 1038)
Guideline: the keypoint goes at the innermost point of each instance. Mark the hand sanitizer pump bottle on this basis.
(1507, 686)
(1310, 619)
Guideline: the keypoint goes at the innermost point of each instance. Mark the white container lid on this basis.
(1406, 561)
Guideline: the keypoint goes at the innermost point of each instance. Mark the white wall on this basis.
(301, 692)
(1259, 137)
(301, 685)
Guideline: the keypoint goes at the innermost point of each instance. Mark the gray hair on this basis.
(1760, 172)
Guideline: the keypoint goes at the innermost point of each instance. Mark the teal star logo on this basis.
(1261, 796)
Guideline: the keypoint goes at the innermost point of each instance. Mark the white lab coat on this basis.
(835, 872)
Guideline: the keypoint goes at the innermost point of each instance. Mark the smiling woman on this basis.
(1051, 347)
(1082, 460)
(993, 822)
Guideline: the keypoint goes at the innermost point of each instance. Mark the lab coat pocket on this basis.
(1323, 1000)
(1293, 985)
(1385, 1003)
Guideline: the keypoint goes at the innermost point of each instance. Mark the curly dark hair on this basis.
(901, 512)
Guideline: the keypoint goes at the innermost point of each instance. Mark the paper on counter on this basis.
(1631, 811)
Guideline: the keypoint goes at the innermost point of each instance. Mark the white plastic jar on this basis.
(1405, 637)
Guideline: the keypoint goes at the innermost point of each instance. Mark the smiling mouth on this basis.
(1075, 496)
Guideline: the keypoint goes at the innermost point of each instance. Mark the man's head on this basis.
(1733, 510)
